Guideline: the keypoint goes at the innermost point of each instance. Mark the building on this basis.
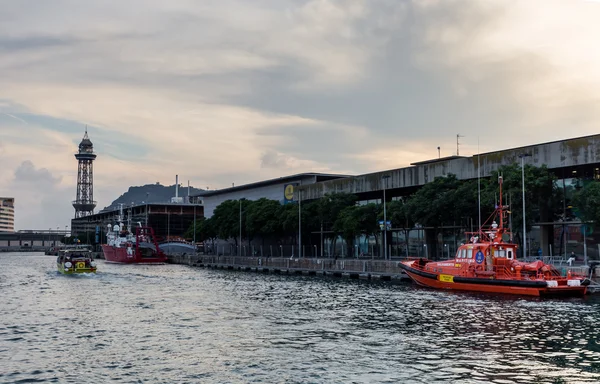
(570, 159)
(7, 214)
(167, 219)
(281, 189)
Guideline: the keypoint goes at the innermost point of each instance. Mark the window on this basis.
(470, 253)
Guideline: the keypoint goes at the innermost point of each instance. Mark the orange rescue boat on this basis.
(487, 263)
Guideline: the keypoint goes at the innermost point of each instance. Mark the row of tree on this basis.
(446, 201)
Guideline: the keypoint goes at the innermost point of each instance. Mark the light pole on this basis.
(194, 226)
(523, 156)
(240, 244)
(384, 178)
(299, 223)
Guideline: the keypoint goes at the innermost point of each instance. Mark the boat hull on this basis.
(488, 285)
(122, 256)
(74, 270)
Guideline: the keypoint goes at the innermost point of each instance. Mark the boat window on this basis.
(470, 253)
(510, 253)
(501, 253)
(463, 253)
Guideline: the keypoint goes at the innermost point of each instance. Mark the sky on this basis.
(232, 91)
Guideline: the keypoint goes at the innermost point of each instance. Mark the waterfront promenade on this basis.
(384, 270)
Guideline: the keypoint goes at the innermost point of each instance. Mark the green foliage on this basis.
(288, 219)
(543, 199)
(262, 218)
(205, 230)
(587, 202)
(226, 219)
(397, 212)
(435, 203)
(347, 223)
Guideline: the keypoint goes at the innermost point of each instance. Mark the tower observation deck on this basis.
(84, 203)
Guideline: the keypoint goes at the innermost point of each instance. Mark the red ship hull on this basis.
(120, 255)
(505, 285)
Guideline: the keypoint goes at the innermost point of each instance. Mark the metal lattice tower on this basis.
(84, 204)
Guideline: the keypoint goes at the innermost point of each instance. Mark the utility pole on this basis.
(523, 156)
(457, 143)
(299, 223)
(385, 179)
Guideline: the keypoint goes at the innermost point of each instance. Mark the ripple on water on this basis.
(170, 323)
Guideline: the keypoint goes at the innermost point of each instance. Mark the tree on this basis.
(226, 219)
(398, 214)
(587, 202)
(542, 196)
(331, 207)
(348, 225)
(434, 204)
(205, 230)
(262, 218)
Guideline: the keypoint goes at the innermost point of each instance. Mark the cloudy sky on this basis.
(232, 91)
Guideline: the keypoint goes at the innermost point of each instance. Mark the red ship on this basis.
(487, 263)
(124, 247)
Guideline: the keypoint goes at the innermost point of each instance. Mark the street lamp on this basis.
(385, 178)
(299, 223)
(523, 156)
(240, 244)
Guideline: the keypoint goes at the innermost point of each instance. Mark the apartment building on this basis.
(7, 214)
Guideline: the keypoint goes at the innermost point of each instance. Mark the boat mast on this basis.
(500, 207)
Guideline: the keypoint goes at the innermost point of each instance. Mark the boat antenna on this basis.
(510, 216)
(478, 185)
(501, 208)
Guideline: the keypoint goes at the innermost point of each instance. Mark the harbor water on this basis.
(179, 324)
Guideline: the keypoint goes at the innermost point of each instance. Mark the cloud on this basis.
(26, 173)
(237, 91)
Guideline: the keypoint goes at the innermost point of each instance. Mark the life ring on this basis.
(80, 265)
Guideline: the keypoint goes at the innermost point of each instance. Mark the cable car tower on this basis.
(84, 203)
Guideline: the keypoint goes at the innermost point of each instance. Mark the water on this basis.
(175, 324)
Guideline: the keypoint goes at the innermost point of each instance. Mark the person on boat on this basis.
(571, 259)
(489, 262)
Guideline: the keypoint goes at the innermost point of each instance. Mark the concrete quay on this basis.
(343, 268)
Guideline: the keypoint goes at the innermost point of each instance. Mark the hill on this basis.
(150, 193)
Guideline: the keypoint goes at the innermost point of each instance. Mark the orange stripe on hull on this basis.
(511, 290)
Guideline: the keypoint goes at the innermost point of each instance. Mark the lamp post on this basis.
(240, 244)
(194, 226)
(299, 223)
(523, 156)
(384, 178)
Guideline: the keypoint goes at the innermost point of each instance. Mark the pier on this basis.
(348, 268)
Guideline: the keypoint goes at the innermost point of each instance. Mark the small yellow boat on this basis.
(73, 261)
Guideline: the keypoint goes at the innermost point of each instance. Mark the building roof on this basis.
(283, 179)
(438, 160)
